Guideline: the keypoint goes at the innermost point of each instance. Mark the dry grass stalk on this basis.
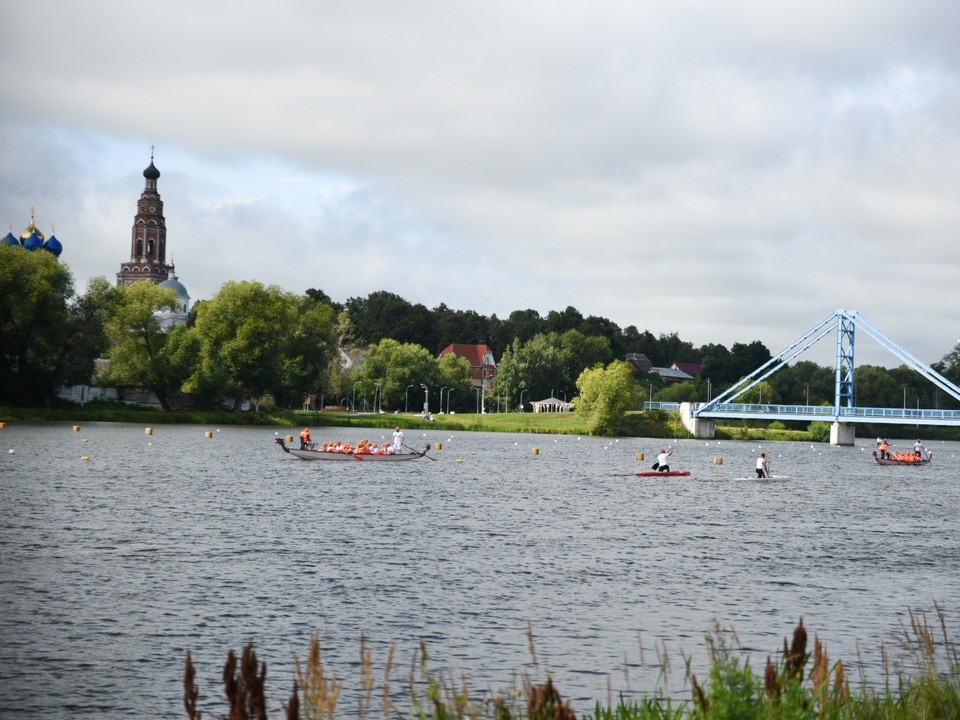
(190, 691)
(771, 681)
(664, 659)
(700, 702)
(292, 707)
(531, 645)
(244, 686)
(796, 655)
(840, 687)
(320, 694)
(820, 674)
(367, 681)
(544, 703)
(389, 707)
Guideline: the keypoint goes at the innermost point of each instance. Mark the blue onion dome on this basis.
(34, 242)
(10, 239)
(52, 245)
(151, 173)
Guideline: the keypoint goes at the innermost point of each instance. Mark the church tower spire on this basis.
(148, 241)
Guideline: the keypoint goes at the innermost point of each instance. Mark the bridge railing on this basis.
(863, 414)
(815, 412)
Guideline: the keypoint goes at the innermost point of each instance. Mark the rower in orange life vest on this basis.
(304, 438)
(883, 449)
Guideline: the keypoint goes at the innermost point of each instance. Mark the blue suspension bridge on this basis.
(700, 418)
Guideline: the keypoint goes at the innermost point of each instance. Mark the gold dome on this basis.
(31, 230)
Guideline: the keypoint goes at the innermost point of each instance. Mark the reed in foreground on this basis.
(922, 682)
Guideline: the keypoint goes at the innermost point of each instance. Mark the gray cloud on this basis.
(730, 173)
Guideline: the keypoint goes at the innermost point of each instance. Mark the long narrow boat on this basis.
(668, 473)
(351, 457)
(910, 463)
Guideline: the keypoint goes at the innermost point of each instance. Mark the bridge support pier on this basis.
(842, 434)
(702, 428)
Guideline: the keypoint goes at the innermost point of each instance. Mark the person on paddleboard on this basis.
(763, 466)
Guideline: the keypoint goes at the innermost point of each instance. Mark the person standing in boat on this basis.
(662, 459)
(763, 466)
(305, 439)
(397, 439)
(884, 449)
(918, 449)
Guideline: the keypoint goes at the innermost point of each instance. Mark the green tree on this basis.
(605, 395)
(41, 340)
(244, 339)
(745, 358)
(536, 366)
(394, 366)
(686, 391)
(307, 347)
(804, 383)
(89, 314)
(456, 375)
(762, 392)
(579, 351)
(459, 326)
(874, 386)
(560, 322)
(141, 353)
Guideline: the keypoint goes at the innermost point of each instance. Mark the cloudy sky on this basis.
(729, 171)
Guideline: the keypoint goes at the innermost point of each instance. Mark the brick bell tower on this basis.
(148, 243)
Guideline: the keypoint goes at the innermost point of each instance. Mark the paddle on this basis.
(421, 454)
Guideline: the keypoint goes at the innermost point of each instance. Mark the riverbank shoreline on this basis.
(654, 423)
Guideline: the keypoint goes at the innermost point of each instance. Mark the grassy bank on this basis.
(801, 683)
(652, 423)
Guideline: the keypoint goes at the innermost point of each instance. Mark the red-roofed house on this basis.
(480, 358)
(690, 368)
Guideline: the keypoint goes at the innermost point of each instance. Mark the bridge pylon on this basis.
(844, 411)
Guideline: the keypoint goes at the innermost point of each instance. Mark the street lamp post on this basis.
(426, 399)
(564, 395)
(406, 404)
(353, 403)
(479, 390)
(521, 399)
(378, 398)
(448, 399)
(441, 397)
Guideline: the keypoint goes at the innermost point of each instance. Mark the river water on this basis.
(113, 567)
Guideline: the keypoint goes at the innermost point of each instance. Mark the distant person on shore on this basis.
(763, 466)
(662, 459)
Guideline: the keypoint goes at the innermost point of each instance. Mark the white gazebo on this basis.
(551, 404)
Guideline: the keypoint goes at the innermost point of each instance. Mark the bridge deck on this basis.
(808, 413)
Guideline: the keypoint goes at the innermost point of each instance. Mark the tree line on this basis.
(262, 342)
